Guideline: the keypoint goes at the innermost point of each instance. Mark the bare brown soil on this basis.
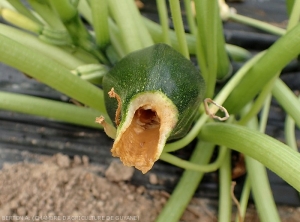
(61, 189)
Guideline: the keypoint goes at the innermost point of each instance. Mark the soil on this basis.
(64, 189)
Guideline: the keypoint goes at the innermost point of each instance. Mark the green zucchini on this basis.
(158, 93)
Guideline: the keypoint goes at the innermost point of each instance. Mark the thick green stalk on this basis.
(43, 9)
(163, 18)
(17, 4)
(257, 173)
(85, 11)
(116, 39)
(77, 30)
(54, 110)
(100, 22)
(261, 190)
(143, 32)
(31, 41)
(287, 99)
(211, 54)
(295, 15)
(50, 72)
(275, 155)
(201, 49)
(120, 11)
(114, 32)
(190, 16)
(66, 11)
(178, 26)
(279, 55)
(225, 206)
(224, 67)
(212, 22)
(20, 20)
(187, 185)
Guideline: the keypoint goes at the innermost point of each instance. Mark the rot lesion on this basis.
(138, 144)
(113, 94)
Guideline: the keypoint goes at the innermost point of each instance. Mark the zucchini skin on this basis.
(157, 68)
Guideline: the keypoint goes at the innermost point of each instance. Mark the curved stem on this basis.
(178, 26)
(54, 110)
(244, 200)
(50, 72)
(163, 18)
(225, 206)
(190, 16)
(257, 24)
(235, 52)
(31, 41)
(187, 185)
(289, 132)
(259, 181)
(258, 102)
(270, 152)
(279, 55)
(120, 11)
(192, 166)
(295, 15)
(287, 99)
(100, 22)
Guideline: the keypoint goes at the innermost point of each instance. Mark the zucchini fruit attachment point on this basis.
(153, 96)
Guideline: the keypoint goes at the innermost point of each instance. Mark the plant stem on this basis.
(53, 52)
(50, 72)
(210, 43)
(17, 4)
(163, 18)
(225, 206)
(54, 110)
(178, 26)
(295, 15)
(192, 166)
(287, 99)
(201, 49)
(257, 24)
(279, 55)
(289, 132)
(20, 20)
(187, 185)
(260, 184)
(190, 16)
(100, 22)
(258, 102)
(121, 12)
(43, 9)
(143, 32)
(244, 199)
(79, 34)
(235, 52)
(270, 152)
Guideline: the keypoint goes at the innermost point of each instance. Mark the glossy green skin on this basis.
(157, 68)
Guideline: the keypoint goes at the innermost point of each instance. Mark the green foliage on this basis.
(56, 47)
